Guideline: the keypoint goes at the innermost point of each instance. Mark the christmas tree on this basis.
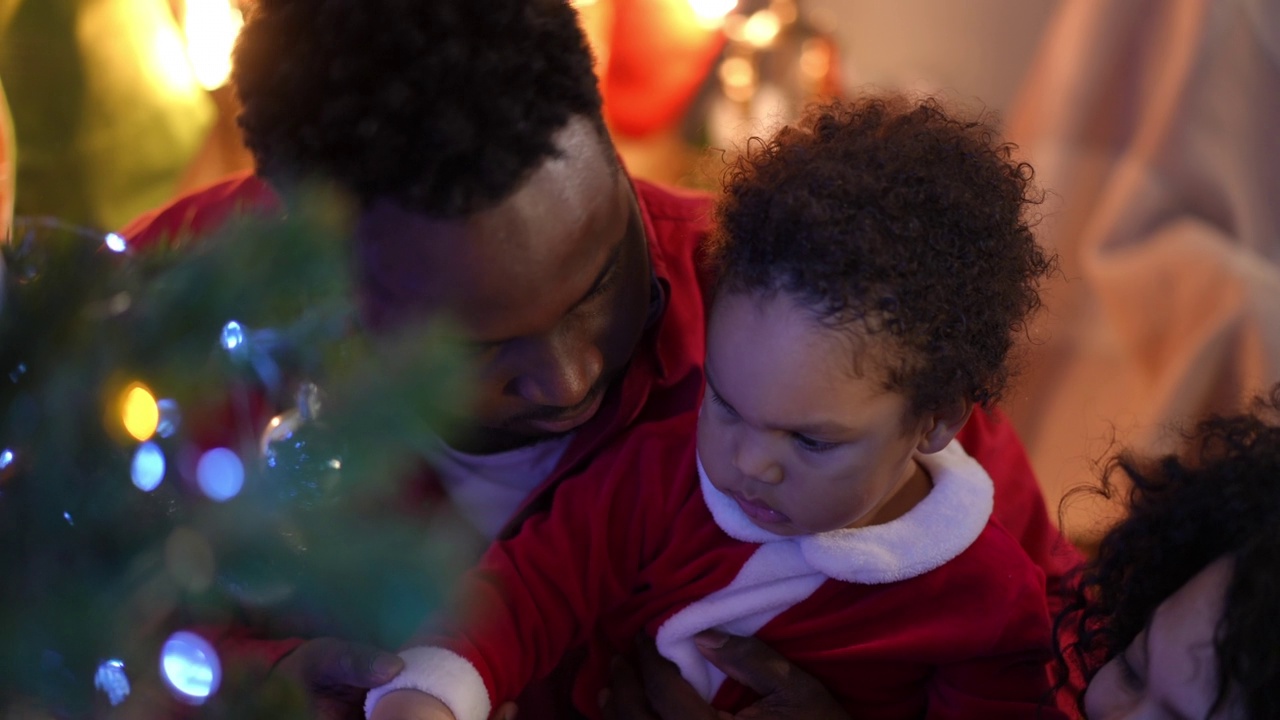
(146, 490)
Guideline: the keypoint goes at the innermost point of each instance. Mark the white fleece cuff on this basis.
(444, 674)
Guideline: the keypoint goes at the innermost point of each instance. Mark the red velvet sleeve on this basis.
(1019, 504)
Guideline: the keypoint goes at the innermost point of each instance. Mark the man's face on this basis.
(551, 287)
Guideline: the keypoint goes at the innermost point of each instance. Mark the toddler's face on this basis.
(804, 438)
(1169, 670)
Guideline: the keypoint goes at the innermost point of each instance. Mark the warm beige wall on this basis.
(973, 48)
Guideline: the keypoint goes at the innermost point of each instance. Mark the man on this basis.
(470, 135)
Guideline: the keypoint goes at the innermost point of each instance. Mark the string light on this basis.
(111, 679)
(148, 467)
(232, 335)
(190, 666)
(139, 412)
(220, 474)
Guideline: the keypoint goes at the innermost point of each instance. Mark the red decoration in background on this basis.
(659, 57)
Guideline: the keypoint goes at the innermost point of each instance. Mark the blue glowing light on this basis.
(148, 467)
(190, 667)
(170, 418)
(232, 335)
(111, 680)
(6, 458)
(220, 474)
(67, 516)
(116, 243)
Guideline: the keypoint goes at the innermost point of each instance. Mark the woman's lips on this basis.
(759, 511)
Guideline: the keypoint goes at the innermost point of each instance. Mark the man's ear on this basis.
(941, 425)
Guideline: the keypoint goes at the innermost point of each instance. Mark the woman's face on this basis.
(1170, 670)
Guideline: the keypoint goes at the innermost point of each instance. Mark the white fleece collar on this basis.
(929, 535)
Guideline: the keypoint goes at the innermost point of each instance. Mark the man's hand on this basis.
(658, 692)
(337, 674)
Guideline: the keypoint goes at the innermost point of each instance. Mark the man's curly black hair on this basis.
(443, 106)
(1219, 497)
(892, 216)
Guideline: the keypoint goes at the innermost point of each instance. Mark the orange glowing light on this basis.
(139, 412)
(210, 28)
(712, 12)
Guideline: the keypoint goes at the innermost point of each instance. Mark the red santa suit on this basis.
(936, 614)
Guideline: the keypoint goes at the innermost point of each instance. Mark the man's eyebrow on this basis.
(611, 262)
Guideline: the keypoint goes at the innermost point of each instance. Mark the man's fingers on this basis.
(786, 691)
(624, 700)
(750, 662)
(327, 662)
(666, 690)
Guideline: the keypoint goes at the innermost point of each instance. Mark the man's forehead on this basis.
(549, 237)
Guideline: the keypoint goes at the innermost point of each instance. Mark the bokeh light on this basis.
(232, 335)
(111, 679)
(148, 467)
(190, 666)
(761, 28)
(139, 412)
(220, 474)
(6, 458)
(170, 418)
(712, 11)
(116, 243)
(210, 28)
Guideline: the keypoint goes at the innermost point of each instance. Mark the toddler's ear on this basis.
(941, 426)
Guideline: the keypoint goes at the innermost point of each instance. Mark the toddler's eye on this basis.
(715, 398)
(808, 444)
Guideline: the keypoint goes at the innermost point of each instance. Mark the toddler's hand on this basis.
(410, 705)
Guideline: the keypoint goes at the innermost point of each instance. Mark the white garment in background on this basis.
(488, 489)
(1153, 124)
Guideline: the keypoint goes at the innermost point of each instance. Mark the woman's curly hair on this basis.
(443, 106)
(1219, 497)
(892, 216)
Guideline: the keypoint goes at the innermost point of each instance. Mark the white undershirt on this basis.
(488, 489)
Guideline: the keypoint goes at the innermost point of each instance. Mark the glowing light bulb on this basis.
(170, 418)
(210, 28)
(139, 412)
(232, 335)
(761, 28)
(148, 467)
(110, 679)
(712, 12)
(220, 474)
(190, 666)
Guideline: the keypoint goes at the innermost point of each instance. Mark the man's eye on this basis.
(481, 349)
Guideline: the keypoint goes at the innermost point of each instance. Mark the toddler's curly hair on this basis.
(892, 217)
